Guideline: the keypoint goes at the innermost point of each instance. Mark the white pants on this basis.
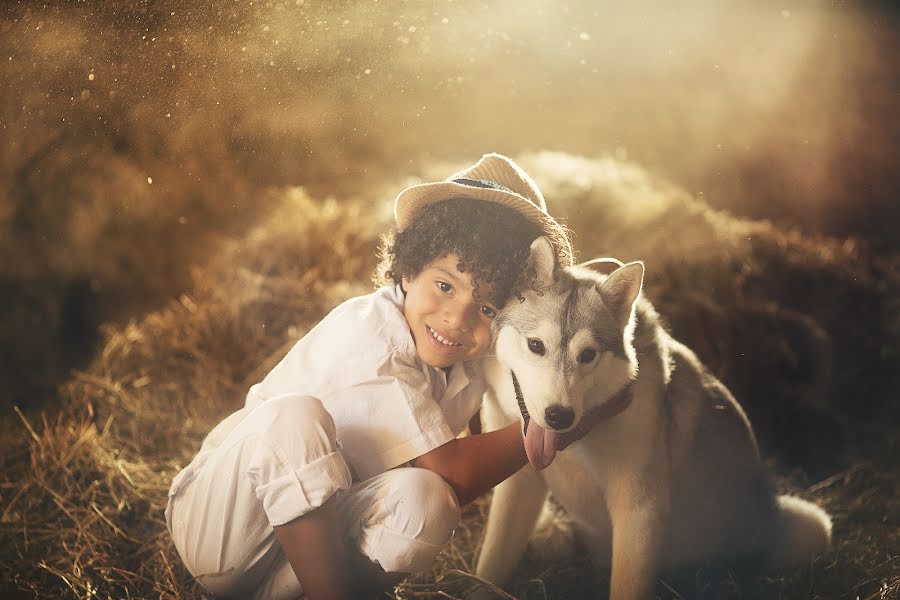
(262, 468)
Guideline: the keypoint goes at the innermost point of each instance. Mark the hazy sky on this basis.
(171, 120)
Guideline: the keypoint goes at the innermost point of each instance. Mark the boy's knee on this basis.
(298, 423)
(299, 411)
(425, 506)
(298, 465)
(416, 517)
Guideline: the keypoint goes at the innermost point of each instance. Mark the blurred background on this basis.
(135, 136)
(187, 186)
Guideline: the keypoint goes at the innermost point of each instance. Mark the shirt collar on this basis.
(458, 379)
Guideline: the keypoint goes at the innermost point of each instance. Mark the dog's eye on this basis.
(587, 355)
(536, 346)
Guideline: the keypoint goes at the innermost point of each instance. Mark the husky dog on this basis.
(670, 472)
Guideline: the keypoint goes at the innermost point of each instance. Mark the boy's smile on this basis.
(446, 322)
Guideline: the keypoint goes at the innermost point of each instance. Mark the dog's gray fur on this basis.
(674, 478)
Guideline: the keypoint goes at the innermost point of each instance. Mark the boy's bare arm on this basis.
(317, 553)
(473, 465)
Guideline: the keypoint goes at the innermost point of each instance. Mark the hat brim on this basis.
(412, 200)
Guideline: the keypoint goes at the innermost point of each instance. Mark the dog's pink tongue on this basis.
(540, 445)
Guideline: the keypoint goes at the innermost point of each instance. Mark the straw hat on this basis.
(495, 178)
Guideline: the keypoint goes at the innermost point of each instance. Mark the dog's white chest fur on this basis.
(578, 483)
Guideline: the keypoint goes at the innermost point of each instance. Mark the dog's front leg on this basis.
(514, 510)
(637, 541)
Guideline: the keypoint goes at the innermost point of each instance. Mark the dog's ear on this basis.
(543, 261)
(604, 266)
(621, 289)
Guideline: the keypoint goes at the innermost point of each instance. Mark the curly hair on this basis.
(492, 243)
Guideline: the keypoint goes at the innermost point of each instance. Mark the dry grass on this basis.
(84, 490)
(84, 486)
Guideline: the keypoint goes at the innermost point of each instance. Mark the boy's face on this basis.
(447, 324)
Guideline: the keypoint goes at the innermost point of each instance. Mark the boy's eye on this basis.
(488, 312)
(444, 286)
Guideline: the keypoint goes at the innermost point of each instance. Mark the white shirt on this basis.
(388, 406)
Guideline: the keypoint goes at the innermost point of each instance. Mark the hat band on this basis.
(484, 183)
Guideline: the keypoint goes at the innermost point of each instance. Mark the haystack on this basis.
(795, 325)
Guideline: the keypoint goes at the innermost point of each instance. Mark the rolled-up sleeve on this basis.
(295, 462)
(287, 493)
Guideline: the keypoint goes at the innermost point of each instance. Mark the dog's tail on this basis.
(802, 531)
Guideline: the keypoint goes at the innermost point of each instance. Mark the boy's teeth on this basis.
(438, 337)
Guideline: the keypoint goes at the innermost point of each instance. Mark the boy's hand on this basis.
(598, 414)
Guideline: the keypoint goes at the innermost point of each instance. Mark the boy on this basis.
(343, 472)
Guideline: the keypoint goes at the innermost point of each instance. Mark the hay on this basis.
(84, 491)
(84, 487)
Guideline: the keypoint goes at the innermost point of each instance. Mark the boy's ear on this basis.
(543, 261)
(404, 283)
(621, 289)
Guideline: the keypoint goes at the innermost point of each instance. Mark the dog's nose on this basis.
(559, 417)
